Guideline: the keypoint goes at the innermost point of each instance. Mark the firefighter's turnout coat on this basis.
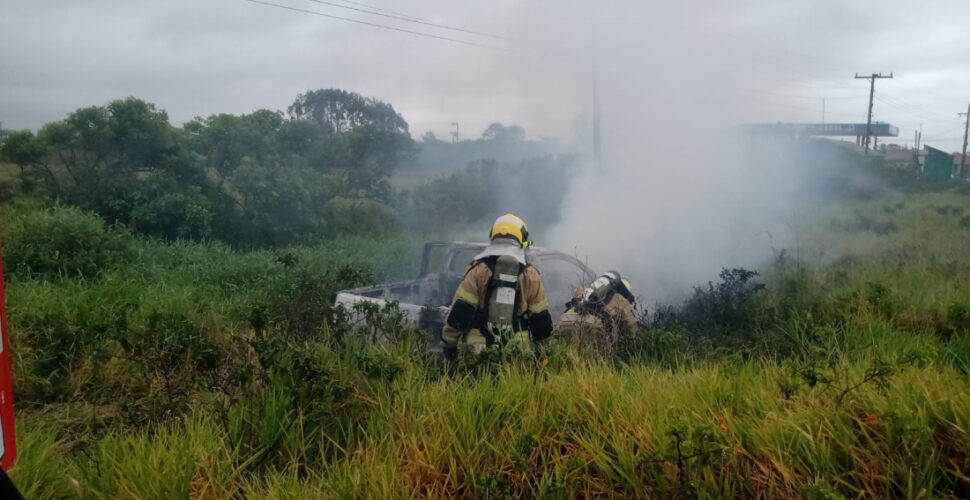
(606, 320)
(467, 317)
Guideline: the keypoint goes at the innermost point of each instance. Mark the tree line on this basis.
(264, 178)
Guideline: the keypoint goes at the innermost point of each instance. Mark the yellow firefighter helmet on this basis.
(511, 226)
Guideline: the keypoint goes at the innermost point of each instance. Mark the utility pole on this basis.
(919, 140)
(963, 159)
(916, 149)
(872, 89)
(454, 135)
(597, 147)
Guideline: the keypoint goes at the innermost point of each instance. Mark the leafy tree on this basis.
(500, 133)
(307, 143)
(279, 203)
(366, 139)
(106, 151)
(225, 139)
(177, 202)
(429, 137)
(371, 155)
(339, 111)
(258, 178)
(28, 152)
(175, 214)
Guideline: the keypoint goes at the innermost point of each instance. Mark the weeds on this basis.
(63, 241)
(216, 373)
(727, 314)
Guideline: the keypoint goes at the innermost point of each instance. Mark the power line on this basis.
(382, 26)
(828, 97)
(907, 84)
(409, 19)
(950, 134)
(949, 131)
(890, 98)
(906, 110)
(942, 138)
(768, 96)
(813, 97)
(799, 108)
(364, 5)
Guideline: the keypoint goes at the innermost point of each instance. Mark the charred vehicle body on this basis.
(425, 300)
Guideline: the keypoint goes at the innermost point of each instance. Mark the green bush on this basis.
(174, 215)
(63, 241)
(730, 313)
(360, 216)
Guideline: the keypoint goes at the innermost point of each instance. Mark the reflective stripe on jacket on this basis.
(472, 292)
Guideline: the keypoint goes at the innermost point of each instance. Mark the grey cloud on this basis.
(196, 58)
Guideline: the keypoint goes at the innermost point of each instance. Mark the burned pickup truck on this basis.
(425, 300)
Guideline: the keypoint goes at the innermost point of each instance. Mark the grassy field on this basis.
(590, 429)
(192, 370)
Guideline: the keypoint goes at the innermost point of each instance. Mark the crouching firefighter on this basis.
(602, 310)
(501, 302)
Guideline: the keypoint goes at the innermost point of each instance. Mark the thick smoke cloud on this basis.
(677, 194)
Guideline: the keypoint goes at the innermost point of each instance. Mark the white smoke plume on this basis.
(678, 194)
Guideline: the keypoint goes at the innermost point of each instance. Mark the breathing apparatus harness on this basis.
(498, 320)
(598, 294)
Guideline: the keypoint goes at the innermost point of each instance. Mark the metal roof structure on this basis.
(877, 129)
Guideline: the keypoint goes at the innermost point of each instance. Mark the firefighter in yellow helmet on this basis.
(602, 311)
(501, 301)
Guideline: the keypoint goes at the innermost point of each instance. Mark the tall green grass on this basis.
(196, 370)
(594, 429)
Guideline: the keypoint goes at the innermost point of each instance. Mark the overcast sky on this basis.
(683, 63)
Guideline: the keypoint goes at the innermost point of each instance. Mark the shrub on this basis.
(729, 313)
(174, 215)
(63, 241)
(360, 216)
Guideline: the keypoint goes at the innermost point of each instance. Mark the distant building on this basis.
(938, 164)
(899, 155)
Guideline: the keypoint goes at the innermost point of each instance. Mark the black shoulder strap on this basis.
(625, 293)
